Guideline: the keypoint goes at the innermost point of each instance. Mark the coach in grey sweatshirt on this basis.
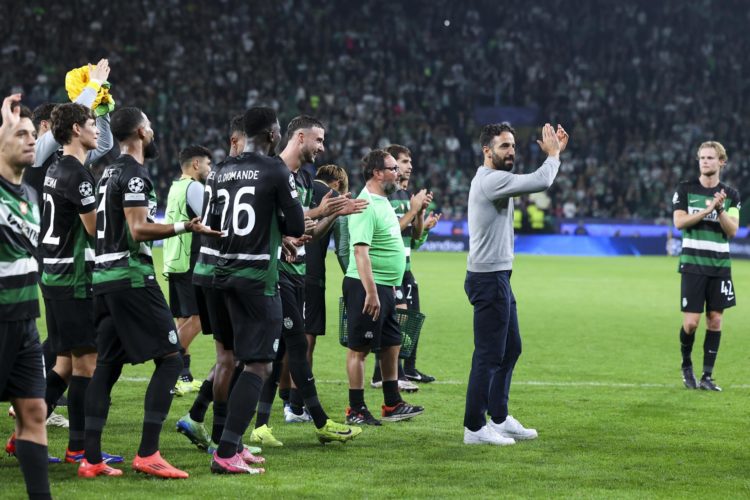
(497, 339)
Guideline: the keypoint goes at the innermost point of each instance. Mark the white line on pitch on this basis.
(539, 383)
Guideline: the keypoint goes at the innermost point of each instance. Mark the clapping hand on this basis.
(100, 72)
(550, 143)
(562, 137)
(431, 221)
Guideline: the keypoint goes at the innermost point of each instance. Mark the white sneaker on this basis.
(376, 385)
(486, 435)
(407, 386)
(512, 428)
(11, 412)
(57, 420)
(292, 418)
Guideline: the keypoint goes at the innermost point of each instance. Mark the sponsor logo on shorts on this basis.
(172, 337)
(288, 323)
(276, 345)
(368, 335)
(684, 302)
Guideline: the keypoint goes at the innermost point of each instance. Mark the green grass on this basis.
(599, 378)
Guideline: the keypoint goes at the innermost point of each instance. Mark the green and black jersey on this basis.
(121, 262)
(250, 191)
(19, 234)
(705, 246)
(67, 250)
(294, 272)
(208, 252)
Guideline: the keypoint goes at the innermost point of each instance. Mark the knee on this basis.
(713, 321)
(31, 413)
(690, 325)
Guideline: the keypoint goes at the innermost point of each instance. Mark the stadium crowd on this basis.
(414, 73)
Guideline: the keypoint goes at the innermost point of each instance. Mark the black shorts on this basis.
(182, 299)
(214, 314)
(696, 290)
(362, 330)
(315, 309)
(292, 304)
(133, 326)
(408, 292)
(70, 324)
(21, 361)
(256, 319)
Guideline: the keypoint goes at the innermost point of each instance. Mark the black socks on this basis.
(242, 403)
(686, 347)
(32, 458)
(76, 411)
(202, 400)
(356, 398)
(97, 407)
(391, 396)
(710, 350)
(157, 402)
(56, 387)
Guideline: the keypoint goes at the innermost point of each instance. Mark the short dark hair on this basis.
(25, 111)
(125, 121)
(489, 132)
(301, 122)
(374, 160)
(397, 149)
(42, 112)
(237, 124)
(258, 119)
(64, 116)
(193, 151)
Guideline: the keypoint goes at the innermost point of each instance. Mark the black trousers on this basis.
(497, 346)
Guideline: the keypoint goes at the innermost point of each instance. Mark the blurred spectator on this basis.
(637, 84)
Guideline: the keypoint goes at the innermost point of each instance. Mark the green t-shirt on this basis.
(378, 228)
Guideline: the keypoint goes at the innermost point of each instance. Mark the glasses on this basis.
(392, 169)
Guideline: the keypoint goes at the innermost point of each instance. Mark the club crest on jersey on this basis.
(135, 185)
(24, 207)
(172, 337)
(292, 184)
(399, 294)
(85, 188)
(288, 323)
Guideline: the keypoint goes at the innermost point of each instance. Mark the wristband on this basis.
(720, 210)
(179, 228)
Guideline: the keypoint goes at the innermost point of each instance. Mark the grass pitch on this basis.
(599, 378)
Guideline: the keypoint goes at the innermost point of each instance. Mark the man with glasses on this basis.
(376, 265)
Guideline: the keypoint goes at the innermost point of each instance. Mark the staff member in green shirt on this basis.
(376, 266)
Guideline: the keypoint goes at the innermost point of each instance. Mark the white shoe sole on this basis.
(475, 441)
(519, 437)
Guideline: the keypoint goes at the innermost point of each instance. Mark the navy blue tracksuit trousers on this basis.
(497, 346)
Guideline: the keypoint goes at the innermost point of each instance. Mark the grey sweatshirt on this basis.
(46, 145)
(491, 213)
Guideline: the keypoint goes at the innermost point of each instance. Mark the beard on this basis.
(389, 188)
(505, 164)
(151, 152)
